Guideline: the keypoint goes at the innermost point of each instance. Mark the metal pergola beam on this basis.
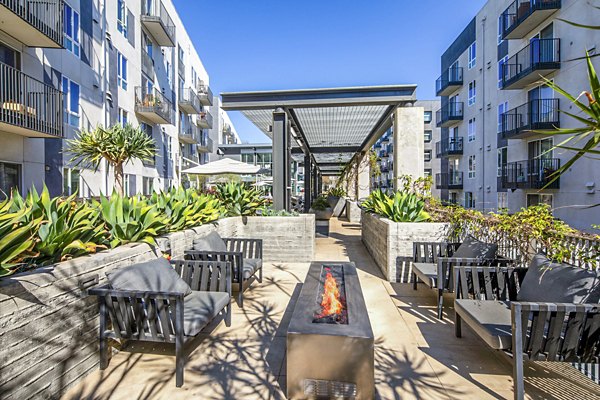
(328, 149)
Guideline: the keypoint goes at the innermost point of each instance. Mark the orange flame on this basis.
(331, 303)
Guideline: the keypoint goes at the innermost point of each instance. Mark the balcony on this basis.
(189, 102)
(449, 147)
(540, 57)
(530, 174)
(205, 146)
(29, 107)
(451, 180)
(158, 23)
(449, 114)
(450, 80)
(153, 106)
(519, 122)
(205, 94)
(204, 120)
(189, 134)
(147, 64)
(32, 22)
(524, 15)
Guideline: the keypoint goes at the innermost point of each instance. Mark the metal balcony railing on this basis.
(189, 102)
(147, 63)
(449, 81)
(450, 112)
(531, 174)
(29, 107)
(158, 22)
(205, 120)
(46, 16)
(448, 147)
(521, 15)
(205, 94)
(449, 180)
(205, 145)
(153, 105)
(533, 115)
(540, 56)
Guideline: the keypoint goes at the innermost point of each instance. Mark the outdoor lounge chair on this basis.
(547, 312)
(434, 262)
(245, 256)
(154, 302)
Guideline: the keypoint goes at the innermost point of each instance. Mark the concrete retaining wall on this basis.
(353, 211)
(386, 241)
(49, 331)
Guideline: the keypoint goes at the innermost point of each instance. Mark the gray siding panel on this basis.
(462, 43)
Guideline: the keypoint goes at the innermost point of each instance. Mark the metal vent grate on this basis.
(329, 389)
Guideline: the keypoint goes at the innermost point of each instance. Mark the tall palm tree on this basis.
(117, 145)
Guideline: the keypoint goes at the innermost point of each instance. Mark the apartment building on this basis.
(384, 149)
(71, 65)
(492, 97)
(223, 131)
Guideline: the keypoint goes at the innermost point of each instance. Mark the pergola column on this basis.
(363, 177)
(307, 182)
(281, 160)
(409, 146)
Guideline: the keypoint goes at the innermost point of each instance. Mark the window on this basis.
(122, 17)
(10, 178)
(147, 185)
(71, 182)
(428, 136)
(472, 129)
(71, 101)
(127, 187)
(501, 64)
(472, 167)
(536, 199)
(472, 55)
(469, 200)
(500, 26)
(427, 172)
(122, 117)
(502, 201)
(71, 30)
(248, 158)
(502, 109)
(427, 155)
(502, 160)
(428, 116)
(169, 74)
(472, 93)
(121, 71)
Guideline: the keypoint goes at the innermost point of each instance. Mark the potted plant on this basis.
(335, 198)
(321, 208)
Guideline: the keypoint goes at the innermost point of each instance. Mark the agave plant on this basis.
(237, 199)
(17, 230)
(131, 219)
(336, 191)
(401, 207)
(186, 208)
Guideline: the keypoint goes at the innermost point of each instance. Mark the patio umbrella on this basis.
(223, 166)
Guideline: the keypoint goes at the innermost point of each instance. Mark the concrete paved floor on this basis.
(416, 355)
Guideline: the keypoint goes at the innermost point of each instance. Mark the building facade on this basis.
(493, 98)
(384, 149)
(223, 131)
(78, 64)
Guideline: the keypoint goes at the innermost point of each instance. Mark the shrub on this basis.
(320, 204)
(337, 191)
(186, 208)
(237, 199)
(400, 207)
(17, 230)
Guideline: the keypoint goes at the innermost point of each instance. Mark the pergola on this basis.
(328, 128)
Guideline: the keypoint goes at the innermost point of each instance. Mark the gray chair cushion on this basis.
(427, 272)
(251, 265)
(489, 319)
(210, 242)
(473, 248)
(551, 282)
(151, 276)
(199, 308)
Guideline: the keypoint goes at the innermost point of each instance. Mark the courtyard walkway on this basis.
(416, 355)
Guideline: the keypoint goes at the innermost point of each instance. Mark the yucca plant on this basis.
(67, 229)
(117, 145)
(186, 208)
(237, 199)
(131, 219)
(17, 231)
(401, 207)
(336, 191)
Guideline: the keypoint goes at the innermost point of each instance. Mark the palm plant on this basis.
(117, 145)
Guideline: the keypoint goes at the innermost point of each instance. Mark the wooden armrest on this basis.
(105, 290)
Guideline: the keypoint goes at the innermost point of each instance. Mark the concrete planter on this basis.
(353, 211)
(49, 328)
(322, 215)
(386, 241)
(337, 204)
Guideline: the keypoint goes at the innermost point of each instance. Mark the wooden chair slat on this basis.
(572, 335)
(554, 340)
(537, 334)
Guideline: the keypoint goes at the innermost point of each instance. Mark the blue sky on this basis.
(286, 44)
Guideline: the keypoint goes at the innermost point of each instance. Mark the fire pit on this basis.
(330, 340)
